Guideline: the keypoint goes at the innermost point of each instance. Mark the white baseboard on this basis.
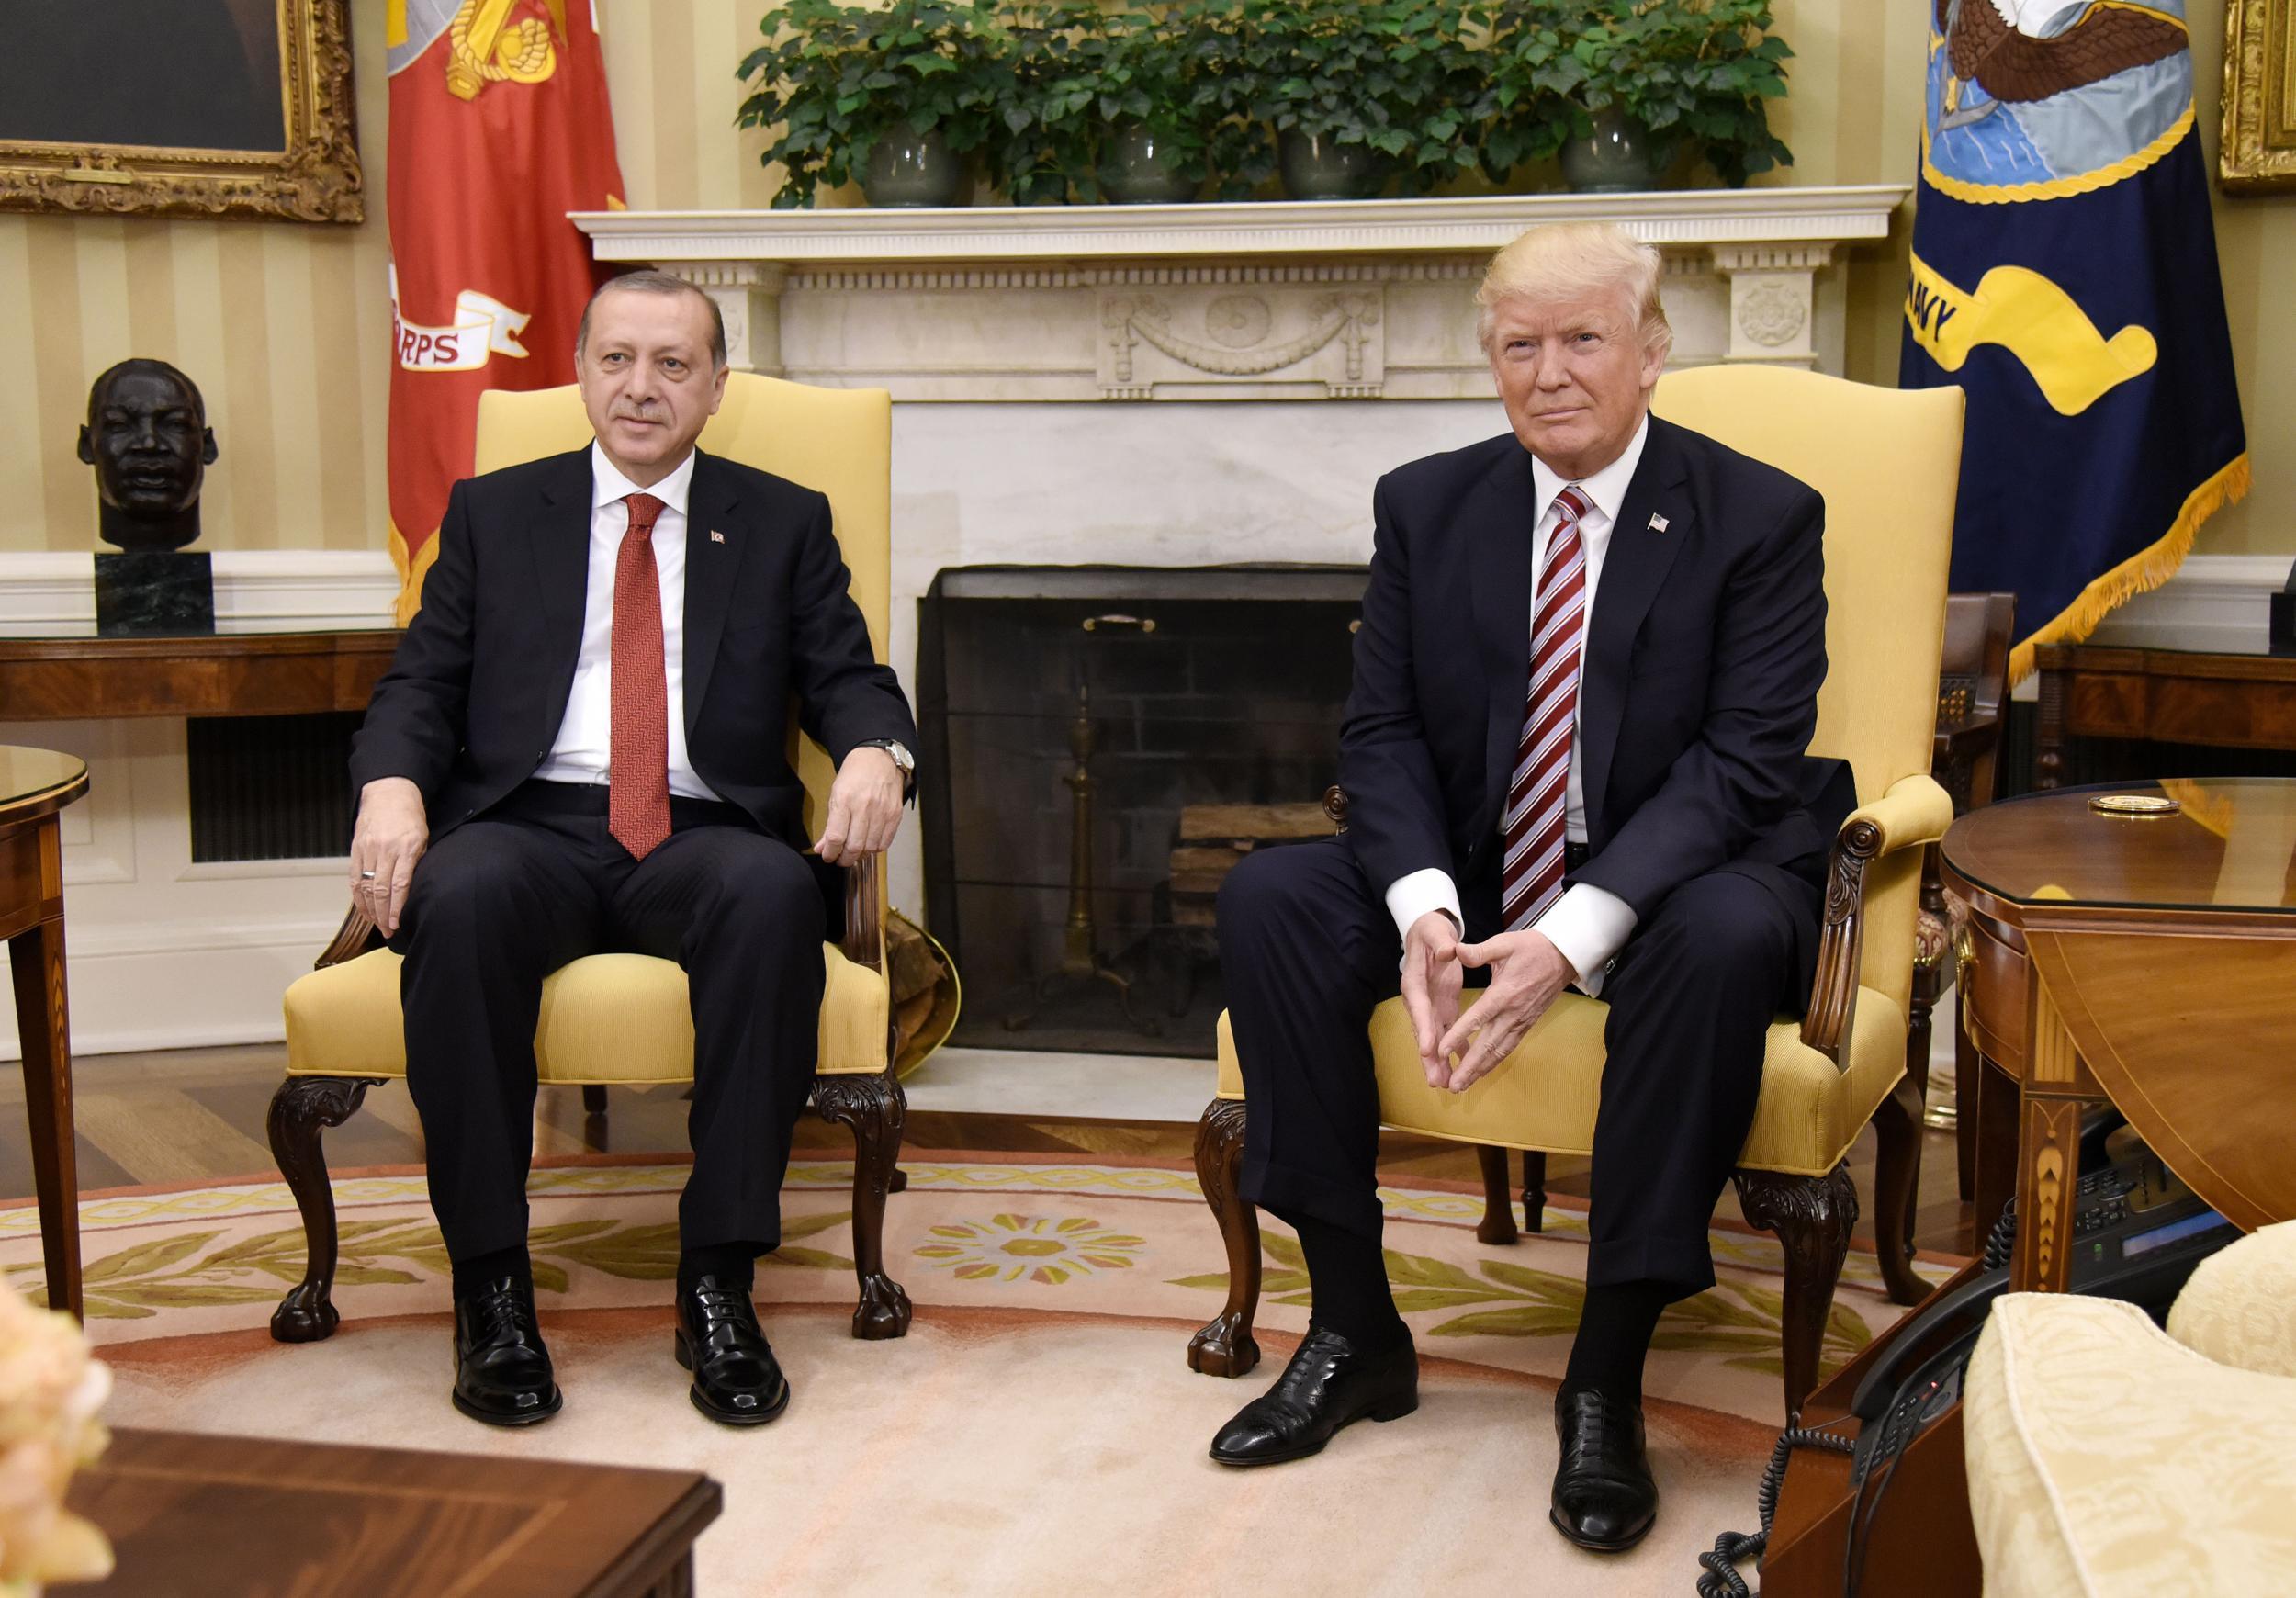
(2214, 601)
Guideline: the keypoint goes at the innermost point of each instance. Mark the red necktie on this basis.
(1539, 799)
(637, 797)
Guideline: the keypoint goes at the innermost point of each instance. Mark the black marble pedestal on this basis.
(154, 593)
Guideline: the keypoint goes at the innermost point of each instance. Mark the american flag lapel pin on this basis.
(715, 536)
(1658, 524)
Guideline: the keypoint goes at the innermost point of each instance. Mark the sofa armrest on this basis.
(1914, 813)
(2239, 1308)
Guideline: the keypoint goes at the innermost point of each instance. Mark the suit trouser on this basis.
(1307, 951)
(501, 901)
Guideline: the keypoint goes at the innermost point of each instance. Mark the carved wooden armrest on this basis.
(353, 938)
(864, 923)
(1914, 813)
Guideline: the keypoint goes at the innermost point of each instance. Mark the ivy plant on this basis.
(836, 79)
(1701, 71)
(1401, 78)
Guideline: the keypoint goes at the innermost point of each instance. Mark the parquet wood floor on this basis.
(197, 1114)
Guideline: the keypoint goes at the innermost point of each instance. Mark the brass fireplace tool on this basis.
(1081, 965)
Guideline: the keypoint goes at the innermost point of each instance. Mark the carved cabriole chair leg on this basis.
(1812, 1217)
(1534, 1190)
(1224, 1345)
(299, 1111)
(1497, 1226)
(875, 1109)
(1897, 1179)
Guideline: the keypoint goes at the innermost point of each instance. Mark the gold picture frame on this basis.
(2258, 149)
(305, 162)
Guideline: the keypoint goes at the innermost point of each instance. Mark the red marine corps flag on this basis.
(499, 127)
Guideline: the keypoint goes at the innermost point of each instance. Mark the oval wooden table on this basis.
(34, 785)
(2147, 960)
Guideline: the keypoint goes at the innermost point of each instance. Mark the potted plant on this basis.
(893, 97)
(1136, 106)
(1359, 91)
(1637, 84)
(1100, 106)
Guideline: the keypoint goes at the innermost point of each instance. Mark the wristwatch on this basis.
(901, 758)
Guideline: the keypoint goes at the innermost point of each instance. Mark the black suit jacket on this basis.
(475, 695)
(1698, 687)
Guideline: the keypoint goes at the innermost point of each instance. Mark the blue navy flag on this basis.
(2065, 275)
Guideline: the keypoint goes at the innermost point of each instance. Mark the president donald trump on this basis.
(1587, 674)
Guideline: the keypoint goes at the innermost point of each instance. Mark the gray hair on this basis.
(650, 281)
(1570, 260)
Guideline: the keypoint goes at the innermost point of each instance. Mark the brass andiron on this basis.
(1081, 965)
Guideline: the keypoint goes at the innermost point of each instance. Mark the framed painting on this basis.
(2258, 149)
(179, 108)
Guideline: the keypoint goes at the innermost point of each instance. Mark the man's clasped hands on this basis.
(1459, 1047)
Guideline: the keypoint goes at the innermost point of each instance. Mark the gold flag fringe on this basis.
(2141, 573)
(410, 573)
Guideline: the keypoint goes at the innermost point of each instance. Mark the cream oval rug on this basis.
(1037, 1432)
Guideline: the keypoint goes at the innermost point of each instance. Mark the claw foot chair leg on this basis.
(1224, 1345)
(1812, 1217)
(302, 1108)
(876, 1108)
(1897, 1179)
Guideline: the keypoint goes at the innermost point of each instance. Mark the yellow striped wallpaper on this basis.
(285, 327)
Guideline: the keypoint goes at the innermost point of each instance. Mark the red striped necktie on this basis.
(1538, 797)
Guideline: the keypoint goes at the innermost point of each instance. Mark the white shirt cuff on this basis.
(1410, 898)
(1588, 925)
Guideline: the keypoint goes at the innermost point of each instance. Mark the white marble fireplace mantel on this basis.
(1265, 300)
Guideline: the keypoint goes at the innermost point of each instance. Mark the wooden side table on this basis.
(296, 673)
(2147, 961)
(197, 1516)
(34, 785)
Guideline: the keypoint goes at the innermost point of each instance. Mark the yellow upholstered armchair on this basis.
(623, 1017)
(1887, 463)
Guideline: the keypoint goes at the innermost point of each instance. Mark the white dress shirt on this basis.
(582, 752)
(1588, 925)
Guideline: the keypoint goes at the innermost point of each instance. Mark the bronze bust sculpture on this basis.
(148, 438)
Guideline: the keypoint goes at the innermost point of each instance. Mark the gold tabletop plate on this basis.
(2132, 804)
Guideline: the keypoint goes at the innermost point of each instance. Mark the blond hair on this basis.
(1571, 261)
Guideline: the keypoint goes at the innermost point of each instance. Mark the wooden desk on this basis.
(228, 674)
(196, 1517)
(2150, 962)
(34, 785)
(2180, 696)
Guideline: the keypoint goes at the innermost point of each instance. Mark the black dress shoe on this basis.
(737, 1380)
(1327, 1385)
(1604, 1499)
(502, 1370)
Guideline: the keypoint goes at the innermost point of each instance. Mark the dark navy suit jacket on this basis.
(1698, 688)
(475, 695)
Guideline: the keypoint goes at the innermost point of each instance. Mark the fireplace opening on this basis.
(1101, 745)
